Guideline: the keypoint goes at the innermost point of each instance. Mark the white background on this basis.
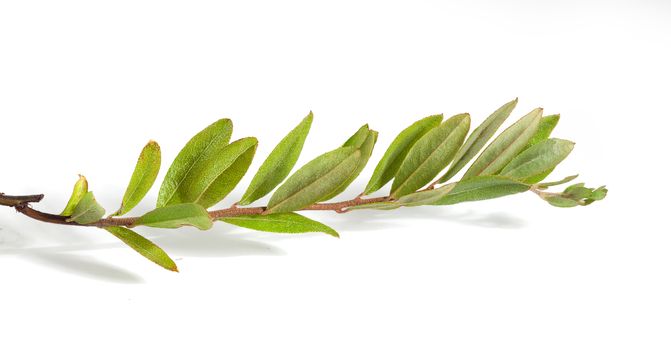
(84, 85)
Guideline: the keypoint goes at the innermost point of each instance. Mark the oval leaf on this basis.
(482, 188)
(391, 160)
(478, 139)
(144, 175)
(506, 146)
(314, 180)
(366, 148)
(78, 191)
(545, 128)
(206, 143)
(538, 160)
(279, 163)
(280, 223)
(215, 176)
(143, 246)
(556, 183)
(177, 215)
(430, 155)
(87, 210)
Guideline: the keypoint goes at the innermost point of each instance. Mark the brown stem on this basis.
(21, 204)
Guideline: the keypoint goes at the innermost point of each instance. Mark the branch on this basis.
(21, 204)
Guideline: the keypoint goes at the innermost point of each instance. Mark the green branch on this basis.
(209, 167)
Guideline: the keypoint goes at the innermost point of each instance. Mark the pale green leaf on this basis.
(556, 183)
(280, 223)
(176, 215)
(87, 210)
(575, 195)
(482, 188)
(206, 143)
(426, 197)
(377, 206)
(545, 128)
(358, 138)
(538, 159)
(315, 179)
(279, 163)
(391, 160)
(144, 175)
(478, 139)
(366, 148)
(215, 176)
(506, 146)
(143, 246)
(80, 188)
(430, 154)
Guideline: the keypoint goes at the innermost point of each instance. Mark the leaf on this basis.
(427, 197)
(538, 159)
(391, 160)
(430, 155)
(143, 246)
(482, 188)
(315, 179)
(144, 175)
(366, 148)
(279, 163)
(545, 128)
(574, 196)
(376, 206)
(87, 210)
(280, 223)
(478, 139)
(78, 191)
(506, 146)
(358, 138)
(556, 183)
(209, 141)
(176, 215)
(215, 176)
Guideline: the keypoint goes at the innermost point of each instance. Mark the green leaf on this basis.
(376, 206)
(482, 188)
(556, 183)
(539, 177)
(144, 175)
(391, 160)
(478, 139)
(280, 223)
(206, 143)
(87, 210)
(538, 159)
(358, 138)
(314, 180)
(215, 176)
(78, 191)
(176, 215)
(430, 155)
(366, 148)
(506, 146)
(427, 197)
(143, 246)
(545, 128)
(575, 195)
(279, 163)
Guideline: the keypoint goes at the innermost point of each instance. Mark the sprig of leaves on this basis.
(208, 168)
